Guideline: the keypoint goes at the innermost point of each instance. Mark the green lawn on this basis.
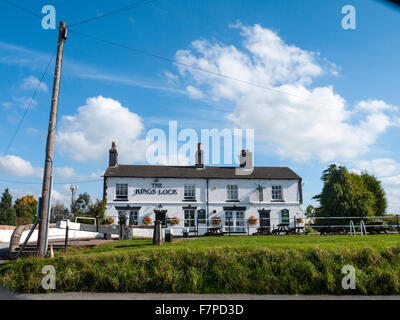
(250, 242)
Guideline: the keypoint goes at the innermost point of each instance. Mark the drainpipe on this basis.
(207, 207)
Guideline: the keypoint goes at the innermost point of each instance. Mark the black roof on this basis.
(150, 171)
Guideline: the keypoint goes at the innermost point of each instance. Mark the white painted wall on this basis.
(248, 196)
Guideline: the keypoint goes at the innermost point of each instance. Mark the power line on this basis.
(39, 183)
(173, 61)
(29, 105)
(136, 4)
(23, 9)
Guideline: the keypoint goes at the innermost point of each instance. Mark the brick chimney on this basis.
(246, 159)
(199, 157)
(113, 159)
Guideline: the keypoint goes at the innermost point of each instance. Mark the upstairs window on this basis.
(121, 192)
(189, 192)
(232, 192)
(277, 193)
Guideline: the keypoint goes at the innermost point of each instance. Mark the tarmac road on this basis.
(159, 296)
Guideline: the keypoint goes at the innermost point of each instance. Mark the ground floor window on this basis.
(234, 220)
(189, 218)
(133, 217)
(193, 217)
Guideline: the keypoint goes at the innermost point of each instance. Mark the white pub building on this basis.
(195, 198)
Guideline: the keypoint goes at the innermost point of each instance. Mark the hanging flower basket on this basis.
(146, 220)
(299, 220)
(215, 221)
(252, 221)
(173, 221)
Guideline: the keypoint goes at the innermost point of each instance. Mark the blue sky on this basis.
(332, 94)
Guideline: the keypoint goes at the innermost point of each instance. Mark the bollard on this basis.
(157, 235)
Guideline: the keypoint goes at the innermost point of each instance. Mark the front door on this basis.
(161, 215)
(265, 218)
(234, 221)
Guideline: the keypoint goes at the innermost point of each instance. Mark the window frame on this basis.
(193, 220)
(231, 191)
(118, 189)
(186, 194)
(281, 193)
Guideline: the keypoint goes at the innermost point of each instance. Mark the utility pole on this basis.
(48, 167)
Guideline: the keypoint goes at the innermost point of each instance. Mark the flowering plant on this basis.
(174, 220)
(252, 220)
(215, 221)
(146, 220)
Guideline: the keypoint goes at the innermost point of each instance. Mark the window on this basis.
(189, 192)
(277, 193)
(234, 221)
(122, 191)
(133, 218)
(189, 218)
(232, 192)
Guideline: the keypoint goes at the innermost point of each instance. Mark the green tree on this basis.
(7, 212)
(310, 211)
(26, 209)
(375, 187)
(82, 204)
(98, 209)
(343, 194)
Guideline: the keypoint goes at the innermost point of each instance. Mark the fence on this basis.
(294, 225)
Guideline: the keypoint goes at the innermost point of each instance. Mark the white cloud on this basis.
(24, 102)
(379, 167)
(388, 172)
(88, 134)
(298, 121)
(64, 173)
(375, 106)
(194, 92)
(16, 166)
(31, 83)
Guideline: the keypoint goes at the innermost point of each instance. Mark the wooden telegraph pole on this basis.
(48, 167)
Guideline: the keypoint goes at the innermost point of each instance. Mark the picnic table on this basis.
(282, 227)
(296, 230)
(214, 231)
(262, 231)
(376, 227)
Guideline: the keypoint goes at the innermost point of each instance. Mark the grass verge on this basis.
(267, 266)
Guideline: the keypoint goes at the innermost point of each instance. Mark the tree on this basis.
(310, 211)
(98, 209)
(58, 212)
(82, 204)
(7, 212)
(375, 187)
(343, 194)
(26, 209)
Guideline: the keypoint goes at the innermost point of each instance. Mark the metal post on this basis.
(229, 226)
(157, 236)
(66, 238)
(62, 36)
(397, 220)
